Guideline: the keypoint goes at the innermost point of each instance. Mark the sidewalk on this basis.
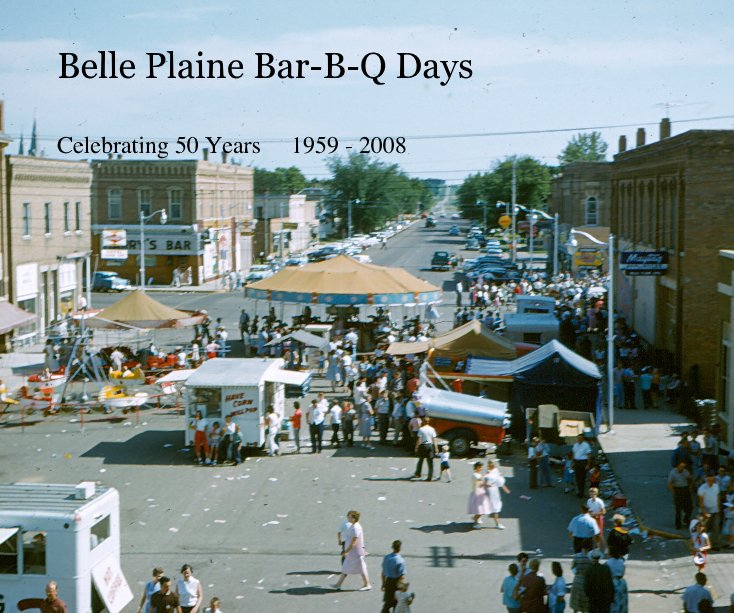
(639, 453)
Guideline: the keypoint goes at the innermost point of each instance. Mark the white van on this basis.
(69, 534)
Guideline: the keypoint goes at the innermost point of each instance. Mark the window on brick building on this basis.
(66, 217)
(672, 243)
(650, 214)
(175, 203)
(78, 216)
(114, 203)
(47, 218)
(145, 201)
(591, 211)
(26, 219)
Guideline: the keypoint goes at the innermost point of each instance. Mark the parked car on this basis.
(108, 281)
(472, 245)
(455, 216)
(430, 222)
(258, 272)
(454, 231)
(296, 260)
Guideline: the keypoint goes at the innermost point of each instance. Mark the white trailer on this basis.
(69, 534)
(242, 388)
(534, 322)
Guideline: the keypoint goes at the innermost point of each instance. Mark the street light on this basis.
(572, 246)
(143, 219)
(349, 217)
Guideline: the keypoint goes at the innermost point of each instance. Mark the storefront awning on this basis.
(12, 317)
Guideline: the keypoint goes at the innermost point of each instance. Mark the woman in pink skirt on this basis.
(478, 500)
(354, 554)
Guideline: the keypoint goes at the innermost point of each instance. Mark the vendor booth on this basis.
(552, 374)
(241, 388)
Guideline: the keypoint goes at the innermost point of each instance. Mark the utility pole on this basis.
(514, 208)
(349, 219)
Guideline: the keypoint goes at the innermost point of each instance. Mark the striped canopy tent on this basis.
(138, 310)
(343, 281)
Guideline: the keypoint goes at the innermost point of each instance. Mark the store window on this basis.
(114, 203)
(78, 216)
(175, 203)
(145, 201)
(26, 219)
(9, 552)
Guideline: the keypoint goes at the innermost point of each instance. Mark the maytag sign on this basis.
(638, 263)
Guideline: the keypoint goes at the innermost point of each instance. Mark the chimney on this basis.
(205, 153)
(622, 143)
(224, 157)
(664, 128)
(109, 156)
(640, 137)
(119, 156)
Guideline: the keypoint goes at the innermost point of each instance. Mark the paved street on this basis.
(262, 536)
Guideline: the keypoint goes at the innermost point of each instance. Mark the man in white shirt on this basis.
(315, 417)
(382, 406)
(426, 448)
(710, 502)
(353, 339)
(360, 391)
(116, 357)
(581, 460)
(335, 419)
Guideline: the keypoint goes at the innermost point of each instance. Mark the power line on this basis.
(280, 140)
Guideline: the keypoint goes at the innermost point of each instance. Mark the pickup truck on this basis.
(440, 260)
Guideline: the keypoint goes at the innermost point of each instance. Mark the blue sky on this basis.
(536, 66)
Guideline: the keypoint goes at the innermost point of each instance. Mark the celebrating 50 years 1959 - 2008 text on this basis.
(193, 145)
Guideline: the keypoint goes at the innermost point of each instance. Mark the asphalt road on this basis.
(262, 536)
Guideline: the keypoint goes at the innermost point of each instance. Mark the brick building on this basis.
(581, 194)
(47, 234)
(209, 208)
(674, 195)
(11, 317)
(725, 355)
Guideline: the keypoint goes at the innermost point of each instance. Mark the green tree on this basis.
(533, 179)
(279, 181)
(383, 191)
(584, 147)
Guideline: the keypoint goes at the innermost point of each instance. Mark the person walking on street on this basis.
(151, 588)
(342, 535)
(315, 417)
(542, 453)
(583, 529)
(581, 460)
(557, 590)
(296, 424)
(598, 585)
(709, 502)
(694, 594)
(679, 484)
(354, 554)
(51, 604)
(335, 420)
(459, 292)
(493, 482)
(478, 504)
(165, 600)
(188, 590)
(426, 447)
(393, 572)
(507, 589)
(530, 590)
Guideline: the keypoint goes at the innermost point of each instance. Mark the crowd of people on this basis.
(184, 595)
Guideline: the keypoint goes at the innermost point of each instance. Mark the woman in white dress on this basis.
(354, 554)
(493, 482)
(478, 504)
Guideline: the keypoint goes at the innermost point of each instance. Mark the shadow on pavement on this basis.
(312, 572)
(307, 590)
(450, 528)
(153, 447)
